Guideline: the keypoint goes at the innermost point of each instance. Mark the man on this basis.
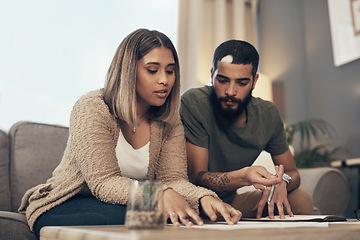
(226, 129)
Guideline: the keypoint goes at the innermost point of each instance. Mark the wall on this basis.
(295, 49)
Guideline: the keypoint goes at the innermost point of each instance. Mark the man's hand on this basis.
(260, 178)
(279, 198)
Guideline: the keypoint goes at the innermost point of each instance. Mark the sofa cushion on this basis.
(36, 150)
(14, 227)
(322, 183)
(4, 172)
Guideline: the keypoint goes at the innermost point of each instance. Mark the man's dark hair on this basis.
(241, 51)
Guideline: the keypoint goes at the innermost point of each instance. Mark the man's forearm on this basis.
(216, 181)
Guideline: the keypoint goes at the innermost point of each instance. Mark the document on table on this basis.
(258, 225)
(299, 218)
(288, 222)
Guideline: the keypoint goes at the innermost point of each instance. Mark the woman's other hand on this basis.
(178, 210)
(212, 206)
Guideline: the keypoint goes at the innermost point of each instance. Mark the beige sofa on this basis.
(30, 151)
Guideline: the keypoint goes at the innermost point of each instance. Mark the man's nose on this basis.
(231, 89)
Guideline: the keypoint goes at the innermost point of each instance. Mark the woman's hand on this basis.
(176, 208)
(211, 206)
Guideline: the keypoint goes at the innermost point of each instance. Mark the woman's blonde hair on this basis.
(120, 85)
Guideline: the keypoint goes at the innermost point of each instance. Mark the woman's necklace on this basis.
(142, 118)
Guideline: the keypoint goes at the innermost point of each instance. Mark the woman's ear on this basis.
(212, 74)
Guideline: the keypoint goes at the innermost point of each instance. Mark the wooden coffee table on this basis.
(117, 232)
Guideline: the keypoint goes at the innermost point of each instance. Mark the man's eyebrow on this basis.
(221, 76)
(237, 79)
(243, 79)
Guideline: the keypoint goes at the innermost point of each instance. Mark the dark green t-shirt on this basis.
(231, 148)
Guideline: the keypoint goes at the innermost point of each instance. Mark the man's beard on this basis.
(233, 113)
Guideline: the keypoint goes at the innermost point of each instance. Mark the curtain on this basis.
(203, 25)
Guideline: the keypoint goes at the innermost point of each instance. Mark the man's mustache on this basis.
(229, 99)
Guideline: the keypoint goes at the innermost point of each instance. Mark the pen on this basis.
(271, 193)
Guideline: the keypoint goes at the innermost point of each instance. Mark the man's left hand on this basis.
(279, 198)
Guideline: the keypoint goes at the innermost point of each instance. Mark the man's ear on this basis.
(255, 80)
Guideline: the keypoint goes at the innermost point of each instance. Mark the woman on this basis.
(129, 130)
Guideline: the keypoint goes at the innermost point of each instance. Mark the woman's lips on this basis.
(161, 93)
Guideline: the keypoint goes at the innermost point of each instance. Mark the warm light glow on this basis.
(263, 88)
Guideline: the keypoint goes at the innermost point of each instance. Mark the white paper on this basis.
(288, 218)
(258, 225)
(358, 222)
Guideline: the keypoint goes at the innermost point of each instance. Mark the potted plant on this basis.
(306, 154)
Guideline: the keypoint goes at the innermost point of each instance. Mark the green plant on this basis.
(308, 156)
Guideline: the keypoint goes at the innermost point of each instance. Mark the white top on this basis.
(133, 163)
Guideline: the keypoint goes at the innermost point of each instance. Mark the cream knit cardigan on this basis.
(90, 158)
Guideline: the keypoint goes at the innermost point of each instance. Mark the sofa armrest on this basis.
(36, 150)
(4, 172)
(328, 187)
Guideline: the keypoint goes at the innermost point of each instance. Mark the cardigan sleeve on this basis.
(172, 167)
(92, 144)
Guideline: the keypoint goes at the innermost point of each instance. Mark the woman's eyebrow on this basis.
(156, 63)
(152, 63)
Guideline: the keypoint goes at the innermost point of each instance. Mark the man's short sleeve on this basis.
(278, 144)
(193, 123)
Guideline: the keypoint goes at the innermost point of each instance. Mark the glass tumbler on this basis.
(145, 207)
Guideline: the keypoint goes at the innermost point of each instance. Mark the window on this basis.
(52, 52)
